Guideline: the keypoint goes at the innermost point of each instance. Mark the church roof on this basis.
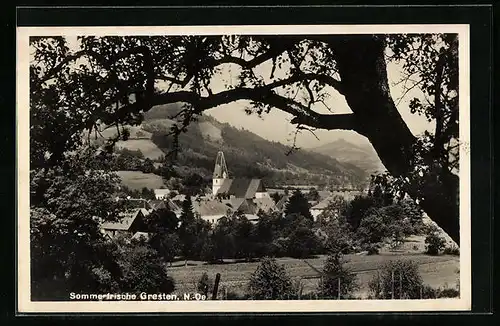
(241, 188)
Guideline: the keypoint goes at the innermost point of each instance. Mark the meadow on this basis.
(436, 271)
(136, 180)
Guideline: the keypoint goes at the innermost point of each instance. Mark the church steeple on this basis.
(220, 172)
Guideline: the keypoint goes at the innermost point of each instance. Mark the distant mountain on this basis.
(247, 154)
(361, 156)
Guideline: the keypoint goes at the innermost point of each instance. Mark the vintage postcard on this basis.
(243, 168)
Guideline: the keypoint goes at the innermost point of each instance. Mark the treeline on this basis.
(347, 226)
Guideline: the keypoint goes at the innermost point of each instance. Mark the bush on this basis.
(448, 293)
(453, 250)
(399, 279)
(435, 243)
(336, 278)
(372, 249)
(270, 281)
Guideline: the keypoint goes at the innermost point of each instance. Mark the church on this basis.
(224, 187)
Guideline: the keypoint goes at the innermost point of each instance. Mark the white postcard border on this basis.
(25, 305)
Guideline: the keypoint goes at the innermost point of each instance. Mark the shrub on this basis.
(270, 281)
(372, 249)
(435, 243)
(453, 250)
(337, 281)
(399, 279)
(448, 293)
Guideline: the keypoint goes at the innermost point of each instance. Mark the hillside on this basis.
(247, 154)
(364, 157)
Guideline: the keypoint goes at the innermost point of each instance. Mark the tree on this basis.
(337, 281)
(399, 279)
(168, 245)
(162, 221)
(303, 71)
(313, 194)
(336, 207)
(357, 209)
(270, 281)
(434, 242)
(297, 204)
(147, 165)
(143, 269)
(372, 229)
(193, 231)
(223, 238)
(244, 238)
(68, 250)
(302, 243)
(194, 185)
(340, 238)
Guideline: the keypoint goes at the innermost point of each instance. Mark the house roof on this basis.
(162, 191)
(265, 204)
(280, 205)
(322, 204)
(164, 204)
(135, 203)
(157, 204)
(125, 222)
(210, 207)
(241, 188)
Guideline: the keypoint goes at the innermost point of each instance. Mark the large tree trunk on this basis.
(361, 64)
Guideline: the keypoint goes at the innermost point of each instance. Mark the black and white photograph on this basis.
(243, 168)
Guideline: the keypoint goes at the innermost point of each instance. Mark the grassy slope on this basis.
(137, 180)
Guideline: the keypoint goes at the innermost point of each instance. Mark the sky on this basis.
(276, 126)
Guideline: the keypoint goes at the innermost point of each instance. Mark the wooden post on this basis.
(216, 286)
(338, 289)
(392, 285)
(401, 285)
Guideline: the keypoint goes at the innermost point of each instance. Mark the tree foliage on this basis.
(270, 281)
(337, 281)
(108, 82)
(398, 279)
(298, 204)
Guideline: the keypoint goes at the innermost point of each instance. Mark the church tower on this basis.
(220, 173)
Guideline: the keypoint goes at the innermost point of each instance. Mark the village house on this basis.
(129, 223)
(161, 194)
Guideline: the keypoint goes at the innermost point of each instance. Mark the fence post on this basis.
(338, 289)
(392, 284)
(216, 286)
(400, 285)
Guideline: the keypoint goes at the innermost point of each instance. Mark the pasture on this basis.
(137, 180)
(146, 146)
(436, 271)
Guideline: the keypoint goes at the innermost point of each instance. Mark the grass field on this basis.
(147, 147)
(138, 180)
(437, 271)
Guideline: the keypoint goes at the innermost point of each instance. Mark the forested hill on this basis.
(247, 154)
